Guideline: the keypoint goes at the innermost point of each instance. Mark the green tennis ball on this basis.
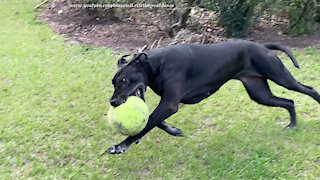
(129, 118)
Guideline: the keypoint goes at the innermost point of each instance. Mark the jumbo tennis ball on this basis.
(129, 118)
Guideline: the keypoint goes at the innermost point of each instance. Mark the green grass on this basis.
(53, 103)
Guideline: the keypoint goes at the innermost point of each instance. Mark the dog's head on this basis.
(130, 79)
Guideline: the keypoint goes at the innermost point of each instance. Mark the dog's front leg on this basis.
(164, 110)
(174, 131)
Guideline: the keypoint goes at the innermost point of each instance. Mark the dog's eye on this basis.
(123, 80)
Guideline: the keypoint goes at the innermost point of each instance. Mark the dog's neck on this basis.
(149, 76)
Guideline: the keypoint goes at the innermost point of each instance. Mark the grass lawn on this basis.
(53, 103)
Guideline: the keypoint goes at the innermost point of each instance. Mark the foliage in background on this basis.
(302, 15)
(234, 15)
(318, 11)
(237, 16)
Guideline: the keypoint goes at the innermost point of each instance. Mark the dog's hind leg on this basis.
(259, 91)
(279, 74)
(307, 90)
(291, 84)
(174, 131)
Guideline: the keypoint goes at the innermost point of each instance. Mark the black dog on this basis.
(189, 73)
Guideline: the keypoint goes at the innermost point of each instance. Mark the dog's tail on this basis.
(274, 46)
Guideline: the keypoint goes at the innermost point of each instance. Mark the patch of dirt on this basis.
(128, 34)
(97, 28)
(275, 33)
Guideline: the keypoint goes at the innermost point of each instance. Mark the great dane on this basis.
(189, 73)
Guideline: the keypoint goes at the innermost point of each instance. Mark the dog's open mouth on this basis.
(139, 92)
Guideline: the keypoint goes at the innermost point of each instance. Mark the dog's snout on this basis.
(114, 102)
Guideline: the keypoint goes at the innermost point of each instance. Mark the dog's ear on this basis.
(141, 57)
(122, 60)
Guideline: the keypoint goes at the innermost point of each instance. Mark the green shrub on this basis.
(302, 14)
(237, 16)
(234, 15)
(318, 12)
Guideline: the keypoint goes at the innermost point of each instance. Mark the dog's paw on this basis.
(137, 141)
(291, 127)
(117, 149)
(174, 131)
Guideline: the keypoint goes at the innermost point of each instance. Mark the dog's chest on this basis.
(157, 86)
